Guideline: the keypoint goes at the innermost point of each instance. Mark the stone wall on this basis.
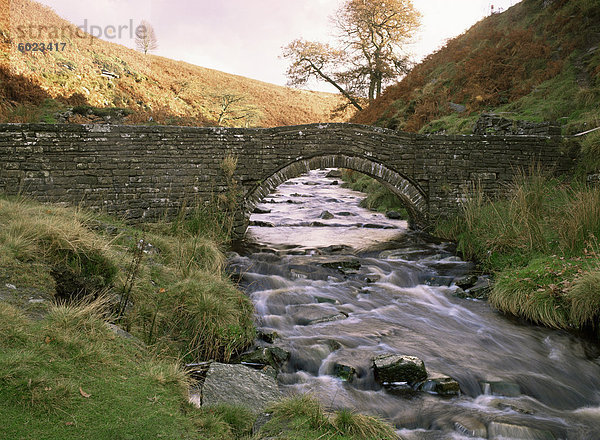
(493, 124)
(140, 172)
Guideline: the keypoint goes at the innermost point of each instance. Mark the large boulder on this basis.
(393, 368)
(237, 385)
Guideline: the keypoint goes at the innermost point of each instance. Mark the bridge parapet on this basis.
(146, 172)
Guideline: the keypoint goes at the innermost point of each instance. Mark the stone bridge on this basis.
(147, 172)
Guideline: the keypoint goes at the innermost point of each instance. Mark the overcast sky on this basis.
(245, 37)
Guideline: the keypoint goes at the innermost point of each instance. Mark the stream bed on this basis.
(340, 285)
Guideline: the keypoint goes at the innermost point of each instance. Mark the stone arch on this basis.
(409, 192)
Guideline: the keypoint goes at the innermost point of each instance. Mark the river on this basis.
(340, 284)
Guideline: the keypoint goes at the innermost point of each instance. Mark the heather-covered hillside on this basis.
(539, 60)
(88, 71)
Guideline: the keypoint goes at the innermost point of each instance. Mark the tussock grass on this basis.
(361, 426)
(541, 242)
(580, 223)
(303, 417)
(225, 422)
(58, 244)
(201, 317)
(590, 152)
(585, 298)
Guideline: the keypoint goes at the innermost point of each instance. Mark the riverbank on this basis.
(342, 287)
(541, 244)
(97, 318)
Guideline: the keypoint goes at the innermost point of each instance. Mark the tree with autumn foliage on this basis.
(371, 35)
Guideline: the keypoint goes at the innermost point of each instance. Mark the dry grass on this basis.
(168, 91)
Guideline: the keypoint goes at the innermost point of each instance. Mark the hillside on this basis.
(539, 60)
(94, 72)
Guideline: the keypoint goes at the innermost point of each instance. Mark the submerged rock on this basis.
(470, 426)
(481, 289)
(334, 173)
(237, 385)
(263, 356)
(394, 368)
(466, 282)
(499, 431)
(310, 314)
(267, 336)
(373, 226)
(344, 372)
(261, 224)
(500, 388)
(259, 210)
(326, 215)
(440, 384)
(393, 215)
(344, 266)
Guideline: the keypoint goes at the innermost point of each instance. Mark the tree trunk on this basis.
(323, 75)
(372, 88)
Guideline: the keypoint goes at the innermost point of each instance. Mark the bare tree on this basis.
(317, 60)
(371, 34)
(232, 109)
(145, 37)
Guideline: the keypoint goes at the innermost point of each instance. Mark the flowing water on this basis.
(341, 290)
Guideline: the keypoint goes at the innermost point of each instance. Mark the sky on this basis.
(245, 37)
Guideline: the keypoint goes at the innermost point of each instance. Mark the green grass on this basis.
(69, 377)
(456, 123)
(590, 152)
(172, 294)
(302, 417)
(559, 99)
(379, 198)
(542, 244)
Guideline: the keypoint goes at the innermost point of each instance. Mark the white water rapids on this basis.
(401, 299)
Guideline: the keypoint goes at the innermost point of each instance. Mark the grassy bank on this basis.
(67, 372)
(379, 198)
(542, 244)
(164, 283)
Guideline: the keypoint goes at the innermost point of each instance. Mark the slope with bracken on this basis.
(94, 72)
(539, 60)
